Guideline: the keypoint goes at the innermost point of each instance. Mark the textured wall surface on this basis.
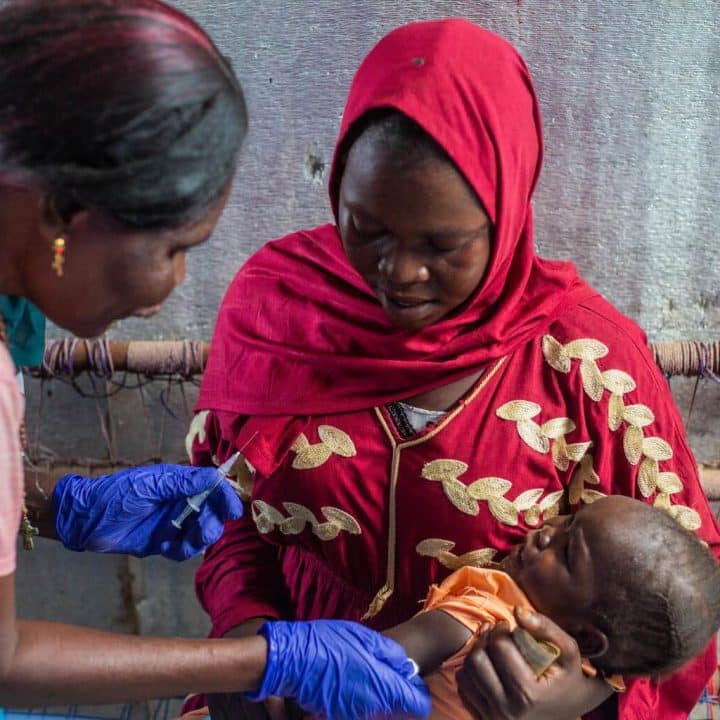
(631, 106)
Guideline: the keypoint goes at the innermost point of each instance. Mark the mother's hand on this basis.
(496, 683)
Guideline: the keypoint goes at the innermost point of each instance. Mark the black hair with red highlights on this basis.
(123, 105)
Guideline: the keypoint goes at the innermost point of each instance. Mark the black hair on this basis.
(123, 105)
(660, 605)
(399, 133)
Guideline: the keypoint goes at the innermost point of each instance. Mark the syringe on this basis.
(194, 502)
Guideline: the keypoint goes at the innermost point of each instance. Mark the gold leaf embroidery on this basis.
(617, 382)
(301, 443)
(443, 469)
(532, 516)
(563, 452)
(332, 441)
(240, 477)
(459, 496)
(326, 531)
(196, 430)
(633, 444)
(648, 477)
(686, 516)
(337, 520)
(555, 354)
(560, 455)
(656, 448)
(538, 436)
(301, 512)
(586, 349)
(532, 435)
(552, 500)
(551, 512)
(313, 457)
(492, 490)
(590, 496)
(476, 558)
(548, 507)
(292, 526)
(518, 410)
(503, 510)
(338, 441)
(591, 379)
(432, 546)
(583, 474)
(489, 487)
(638, 415)
(557, 427)
(669, 482)
(440, 550)
(616, 412)
(267, 518)
(662, 501)
(525, 500)
(576, 451)
(342, 519)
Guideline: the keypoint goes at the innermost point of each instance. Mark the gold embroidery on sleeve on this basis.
(440, 550)
(584, 474)
(535, 511)
(332, 441)
(267, 518)
(196, 430)
(522, 413)
(241, 478)
(491, 490)
(649, 452)
(538, 437)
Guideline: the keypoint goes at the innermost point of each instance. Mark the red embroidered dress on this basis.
(350, 513)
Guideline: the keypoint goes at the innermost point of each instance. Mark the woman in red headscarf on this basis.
(413, 389)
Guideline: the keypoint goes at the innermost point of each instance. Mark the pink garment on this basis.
(11, 470)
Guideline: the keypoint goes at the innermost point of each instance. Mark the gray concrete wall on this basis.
(631, 100)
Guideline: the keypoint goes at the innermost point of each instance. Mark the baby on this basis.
(639, 593)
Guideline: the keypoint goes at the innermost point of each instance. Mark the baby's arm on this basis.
(430, 638)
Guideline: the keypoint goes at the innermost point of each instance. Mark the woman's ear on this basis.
(56, 220)
(592, 642)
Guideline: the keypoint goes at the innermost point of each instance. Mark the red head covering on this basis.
(299, 331)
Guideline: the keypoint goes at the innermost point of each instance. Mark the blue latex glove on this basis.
(341, 670)
(131, 511)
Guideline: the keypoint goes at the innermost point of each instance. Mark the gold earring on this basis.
(58, 255)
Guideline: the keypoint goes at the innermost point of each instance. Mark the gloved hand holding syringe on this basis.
(194, 502)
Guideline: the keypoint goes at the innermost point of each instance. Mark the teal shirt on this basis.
(25, 326)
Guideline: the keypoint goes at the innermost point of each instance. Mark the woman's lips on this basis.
(405, 300)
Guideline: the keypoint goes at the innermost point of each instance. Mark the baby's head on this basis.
(639, 593)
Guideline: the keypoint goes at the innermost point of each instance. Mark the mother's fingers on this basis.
(542, 628)
(515, 675)
(479, 684)
(472, 699)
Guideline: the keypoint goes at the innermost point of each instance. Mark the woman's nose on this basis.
(402, 266)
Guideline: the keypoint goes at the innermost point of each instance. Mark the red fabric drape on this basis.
(300, 332)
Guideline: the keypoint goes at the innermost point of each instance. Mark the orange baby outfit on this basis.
(475, 596)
